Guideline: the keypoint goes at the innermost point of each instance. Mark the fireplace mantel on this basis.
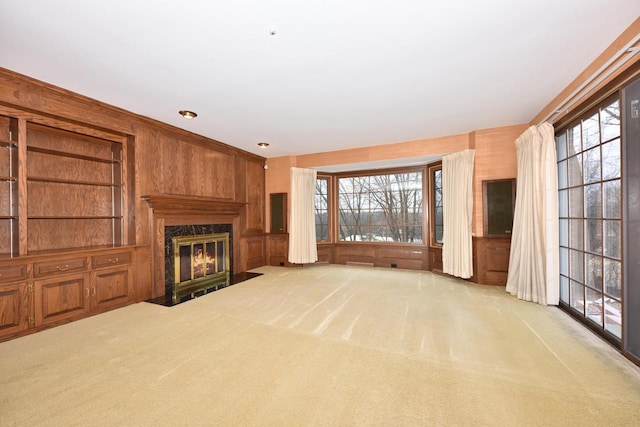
(174, 210)
(170, 203)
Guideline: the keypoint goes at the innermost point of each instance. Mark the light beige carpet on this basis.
(322, 345)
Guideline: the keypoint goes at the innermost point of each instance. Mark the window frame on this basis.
(582, 249)
(330, 217)
(431, 169)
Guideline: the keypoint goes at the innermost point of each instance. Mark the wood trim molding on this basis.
(167, 204)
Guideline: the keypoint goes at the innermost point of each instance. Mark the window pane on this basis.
(591, 160)
(590, 132)
(564, 232)
(564, 289)
(563, 203)
(574, 170)
(322, 209)
(322, 232)
(612, 239)
(610, 121)
(594, 306)
(562, 174)
(577, 265)
(576, 205)
(611, 165)
(561, 146)
(577, 297)
(564, 261)
(438, 220)
(576, 234)
(611, 199)
(593, 271)
(613, 278)
(575, 141)
(381, 208)
(592, 201)
(590, 213)
(613, 316)
(593, 236)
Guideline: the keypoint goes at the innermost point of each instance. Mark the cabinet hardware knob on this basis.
(66, 267)
(93, 291)
(113, 261)
(87, 291)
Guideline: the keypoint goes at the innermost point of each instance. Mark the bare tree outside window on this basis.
(381, 208)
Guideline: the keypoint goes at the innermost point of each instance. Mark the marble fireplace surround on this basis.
(189, 212)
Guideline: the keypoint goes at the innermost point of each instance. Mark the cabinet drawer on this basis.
(61, 266)
(109, 260)
(9, 273)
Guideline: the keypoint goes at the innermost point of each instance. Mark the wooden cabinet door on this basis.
(62, 298)
(110, 288)
(15, 309)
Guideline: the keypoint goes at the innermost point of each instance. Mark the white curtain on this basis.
(534, 259)
(302, 231)
(457, 207)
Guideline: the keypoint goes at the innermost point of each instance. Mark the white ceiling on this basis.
(337, 74)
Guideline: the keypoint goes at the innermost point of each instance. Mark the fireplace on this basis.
(200, 263)
(198, 259)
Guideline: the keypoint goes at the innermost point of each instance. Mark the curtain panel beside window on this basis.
(533, 262)
(457, 204)
(302, 232)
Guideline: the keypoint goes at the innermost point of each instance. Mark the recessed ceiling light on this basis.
(187, 114)
(263, 144)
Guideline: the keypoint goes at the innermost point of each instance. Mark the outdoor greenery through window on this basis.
(381, 208)
(589, 196)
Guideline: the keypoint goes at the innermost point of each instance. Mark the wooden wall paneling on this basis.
(240, 177)
(218, 175)
(255, 251)
(172, 181)
(149, 179)
(158, 254)
(491, 261)
(277, 249)
(435, 259)
(326, 253)
(255, 198)
(22, 91)
(355, 254)
(414, 258)
(193, 170)
(398, 150)
(143, 277)
(492, 144)
(277, 180)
